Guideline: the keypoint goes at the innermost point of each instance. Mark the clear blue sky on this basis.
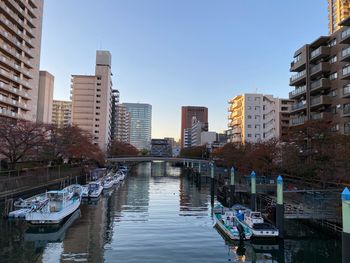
(172, 53)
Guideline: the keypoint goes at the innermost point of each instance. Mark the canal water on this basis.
(156, 215)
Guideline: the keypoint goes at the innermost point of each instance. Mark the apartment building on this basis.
(45, 97)
(92, 99)
(187, 113)
(122, 128)
(61, 113)
(254, 118)
(321, 80)
(140, 124)
(196, 132)
(20, 42)
(338, 10)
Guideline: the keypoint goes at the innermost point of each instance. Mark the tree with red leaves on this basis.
(118, 148)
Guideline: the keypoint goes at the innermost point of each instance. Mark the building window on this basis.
(249, 125)
(333, 59)
(97, 108)
(98, 101)
(97, 119)
(335, 128)
(334, 75)
(346, 108)
(98, 84)
(99, 78)
(249, 135)
(98, 96)
(97, 113)
(98, 90)
(257, 99)
(346, 89)
(257, 107)
(257, 136)
(96, 125)
(333, 93)
(95, 138)
(249, 117)
(347, 128)
(96, 131)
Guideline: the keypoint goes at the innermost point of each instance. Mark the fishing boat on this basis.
(60, 204)
(257, 225)
(108, 183)
(95, 189)
(29, 202)
(229, 225)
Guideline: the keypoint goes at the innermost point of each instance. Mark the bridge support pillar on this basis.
(232, 186)
(346, 225)
(212, 185)
(253, 191)
(280, 207)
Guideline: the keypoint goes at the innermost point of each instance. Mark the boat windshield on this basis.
(256, 215)
(93, 187)
(55, 196)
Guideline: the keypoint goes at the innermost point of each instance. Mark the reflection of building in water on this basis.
(158, 168)
(85, 240)
(191, 199)
(164, 169)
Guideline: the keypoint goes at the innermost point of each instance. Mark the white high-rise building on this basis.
(254, 118)
(45, 97)
(140, 124)
(92, 100)
(61, 113)
(20, 44)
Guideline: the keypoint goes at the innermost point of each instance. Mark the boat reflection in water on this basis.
(41, 235)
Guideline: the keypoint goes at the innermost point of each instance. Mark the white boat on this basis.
(108, 183)
(29, 202)
(259, 228)
(95, 189)
(229, 225)
(60, 204)
(19, 213)
(123, 169)
(85, 191)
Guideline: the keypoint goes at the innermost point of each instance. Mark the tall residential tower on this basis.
(20, 42)
(92, 100)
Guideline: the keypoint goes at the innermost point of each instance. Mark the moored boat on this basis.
(259, 228)
(229, 225)
(108, 182)
(95, 189)
(60, 204)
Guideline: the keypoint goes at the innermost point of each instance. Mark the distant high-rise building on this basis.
(122, 128)
(45, 97)
(92, 100)
(196, 132)
(254, 118)
(187, 112)
(140, 124)
(338, 10)
(115, 102)
(61, 113)
(20, 43)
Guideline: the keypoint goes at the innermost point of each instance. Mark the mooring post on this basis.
(232, 186)
(192, 165)
(280, 207)
(345, 196)
(199, 168)
(253, 191)
(212, 181)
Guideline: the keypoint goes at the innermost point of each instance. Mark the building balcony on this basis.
(15, 18)
(298, 121)
(319, 85)
(236, 113)
(298, 106)
(13, 53)
(235, 122)
(10, 89)
(345, 36)
(237, 130)
(320, 69)
(346, 112)
(15, 67)
(320, 101)
(345, 55)
(346, 72)
(297, 65)
(346, 91)
(298, 92)
(321, 116)
(321, 52)
(20, 10)
(298, 78)
(8, 113)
